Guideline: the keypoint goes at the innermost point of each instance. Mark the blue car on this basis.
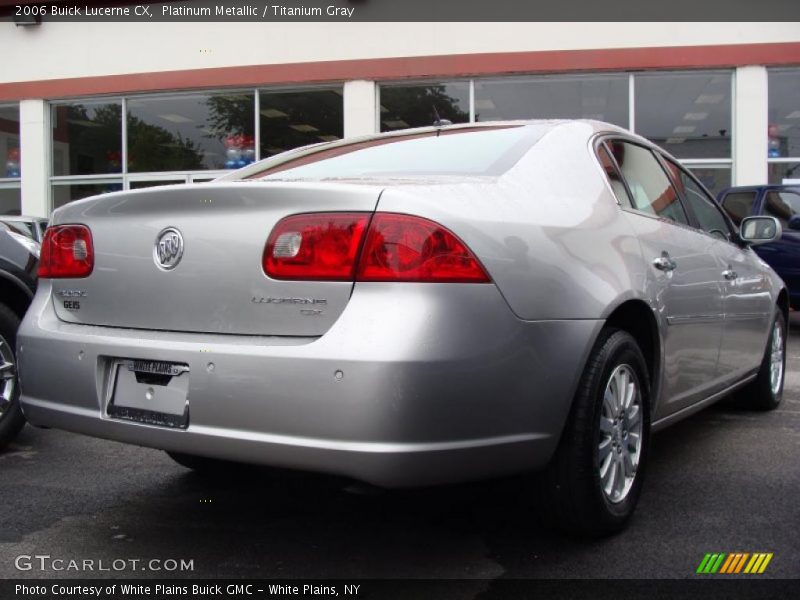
(782, 202)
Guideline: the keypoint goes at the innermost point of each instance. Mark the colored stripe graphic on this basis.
(733, 563)
(740, 564)
(703, 563)
(727, 564)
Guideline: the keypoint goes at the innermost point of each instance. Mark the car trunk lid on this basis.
(219, 285)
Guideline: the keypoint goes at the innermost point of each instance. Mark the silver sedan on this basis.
(414, 308)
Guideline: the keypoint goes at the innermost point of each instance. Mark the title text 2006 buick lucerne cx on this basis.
(414, 308)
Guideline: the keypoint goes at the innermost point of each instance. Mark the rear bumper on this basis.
(437, 384)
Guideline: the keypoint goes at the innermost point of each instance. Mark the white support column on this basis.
(360, 108)
(34, 142)
(750, 126)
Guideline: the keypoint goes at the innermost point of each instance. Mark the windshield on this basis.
(478, 151)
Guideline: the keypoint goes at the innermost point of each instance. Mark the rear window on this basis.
(783, 206)
(739, 205)
(483, 151)
(22, 227)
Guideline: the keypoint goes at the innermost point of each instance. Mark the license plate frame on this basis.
(149, 392)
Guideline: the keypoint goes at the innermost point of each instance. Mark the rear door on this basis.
(747, 302)
(683, 276)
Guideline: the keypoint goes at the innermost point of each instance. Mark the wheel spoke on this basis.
(610, 480)
(606, 426)
(604, 466)
(604, 449)
(7, 370)
(613, 391)
(630, 469)
(622, 387)
(619, 484)
(633, 417)
(608, 402)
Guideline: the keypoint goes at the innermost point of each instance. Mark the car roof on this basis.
(598, 127)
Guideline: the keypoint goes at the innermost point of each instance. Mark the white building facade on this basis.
(87, 108)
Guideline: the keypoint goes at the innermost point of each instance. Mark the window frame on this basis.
(694, 221)
(601, 139)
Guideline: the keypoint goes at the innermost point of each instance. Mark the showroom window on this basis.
(180, 138)
(600, 97)
(190, 132)
(688, 113)
(421, 104)
(87, 137)
(288, 119)
(10, 198)
(783, 132)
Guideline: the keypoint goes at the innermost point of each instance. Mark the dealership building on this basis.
(88, 108)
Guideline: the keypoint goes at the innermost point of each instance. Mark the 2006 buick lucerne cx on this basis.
(422, 307)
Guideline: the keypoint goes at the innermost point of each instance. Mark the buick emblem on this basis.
(169, 249)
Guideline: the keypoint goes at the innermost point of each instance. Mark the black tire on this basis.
(11, 418)
(573, 494)
(759, 393)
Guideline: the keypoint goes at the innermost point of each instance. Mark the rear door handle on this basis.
(730, 274)
(665, 263)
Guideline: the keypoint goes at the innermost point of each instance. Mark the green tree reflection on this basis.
(418, 106)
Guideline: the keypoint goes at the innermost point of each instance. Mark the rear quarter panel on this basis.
(548, 231)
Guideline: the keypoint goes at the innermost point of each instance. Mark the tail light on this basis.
(394, 247)
(67, 251)
(322, 246)
(406, 248)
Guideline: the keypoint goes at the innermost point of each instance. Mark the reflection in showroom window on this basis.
(290, 119)
(783, 130)
(599, 97)
(687, 114)
(87, 137)
(190, 132)
(420, 105)
(10, 198)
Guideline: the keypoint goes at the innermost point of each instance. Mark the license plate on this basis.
(149, 392)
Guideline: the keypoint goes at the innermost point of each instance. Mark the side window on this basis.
(705, 210)
(739, 205)
(613, 176)
(650, 187)
(783, 206)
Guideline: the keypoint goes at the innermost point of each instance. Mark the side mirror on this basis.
(794, 222)
(760, 230)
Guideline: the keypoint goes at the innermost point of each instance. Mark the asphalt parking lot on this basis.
(724, 480)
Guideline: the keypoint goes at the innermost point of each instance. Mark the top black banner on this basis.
(405, 10)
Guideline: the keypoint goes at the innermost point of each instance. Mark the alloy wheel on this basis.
(620, 433)
(776, 359)
(8, 376)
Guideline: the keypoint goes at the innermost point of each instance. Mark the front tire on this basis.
(593, 483)
(11, 419)
(765, 392)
